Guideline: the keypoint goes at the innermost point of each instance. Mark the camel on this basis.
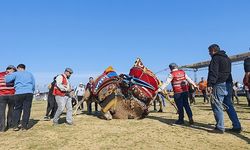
(125, 96)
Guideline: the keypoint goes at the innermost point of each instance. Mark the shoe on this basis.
(179, 122)
(235, 130)
(24, 128)
(46, 118)
(217, 131)
(160, 110)
(191, 121)
(69, 123)
(16, 129)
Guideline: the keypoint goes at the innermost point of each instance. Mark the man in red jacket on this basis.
(6, 98)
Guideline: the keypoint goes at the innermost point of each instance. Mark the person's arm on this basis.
(59, 84)
(10, 77)
(165, 84)
(190, 81)
(213, 72)
(33, 83)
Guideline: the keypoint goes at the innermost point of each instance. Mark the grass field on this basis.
(157, 131)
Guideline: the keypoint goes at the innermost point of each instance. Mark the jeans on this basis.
(222, 94)
(181, 100)
(6, 100)
(62, 102)
(23, 104)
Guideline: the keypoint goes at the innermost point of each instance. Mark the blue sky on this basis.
(89, 35)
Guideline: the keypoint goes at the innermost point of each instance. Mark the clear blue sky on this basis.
(89, 35)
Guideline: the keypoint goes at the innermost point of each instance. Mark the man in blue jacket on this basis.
(24, 84)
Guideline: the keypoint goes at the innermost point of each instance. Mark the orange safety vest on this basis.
(179, 82)
(57, 91)
(202, 85)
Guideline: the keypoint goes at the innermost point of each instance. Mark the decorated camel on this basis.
(124, 96)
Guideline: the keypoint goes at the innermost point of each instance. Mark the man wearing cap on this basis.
(180, 80)
(89, 88)
(61, 91)
(219, 84)
(6, 98)
(24, 84)
(79, 92)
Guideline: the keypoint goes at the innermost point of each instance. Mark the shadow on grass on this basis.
(198, 126)
(171, 122)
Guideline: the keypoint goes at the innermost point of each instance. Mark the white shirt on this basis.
(80, 91)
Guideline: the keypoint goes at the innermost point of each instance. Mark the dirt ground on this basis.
(157, 131)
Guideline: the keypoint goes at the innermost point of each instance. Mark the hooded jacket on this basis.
(219, 70)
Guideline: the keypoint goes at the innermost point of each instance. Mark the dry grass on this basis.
(155, 132)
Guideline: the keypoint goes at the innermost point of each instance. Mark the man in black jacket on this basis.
(220, 86)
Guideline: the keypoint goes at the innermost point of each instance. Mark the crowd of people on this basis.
(17, 87)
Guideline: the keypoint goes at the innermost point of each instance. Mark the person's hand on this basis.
(209, 90)
(159, 90)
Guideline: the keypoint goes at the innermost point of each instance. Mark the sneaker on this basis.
(46, 118)
(235, 130)
(24, 128)
(217, 131)
(160, 110)
(16, 129)
(179, 122)
(69, 123)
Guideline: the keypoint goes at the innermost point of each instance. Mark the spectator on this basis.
(191, 94)
(79, 92)
(89, 87)
(24, 84)
(235, 92)
(203, 89)
(6, 98)
(51, 102)
(246, 79)
(62, 92)
(220, 86)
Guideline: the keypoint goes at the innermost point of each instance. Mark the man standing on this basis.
(179, 80)
(203, 89)
(80, 90)
(89, 88)
(51, 102)
(6, 98)
(220, 86)
(61, 91)
(246, 79)
(24, 84)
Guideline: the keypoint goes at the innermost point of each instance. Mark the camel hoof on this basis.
(107, 116)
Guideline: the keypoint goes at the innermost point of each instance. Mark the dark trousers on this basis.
(6, 100)
(181, 100)
(248, 97)
(51, 106)
(23, 104)
(204, 93)
(89, 105)
(234, 94)
(79, 98)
